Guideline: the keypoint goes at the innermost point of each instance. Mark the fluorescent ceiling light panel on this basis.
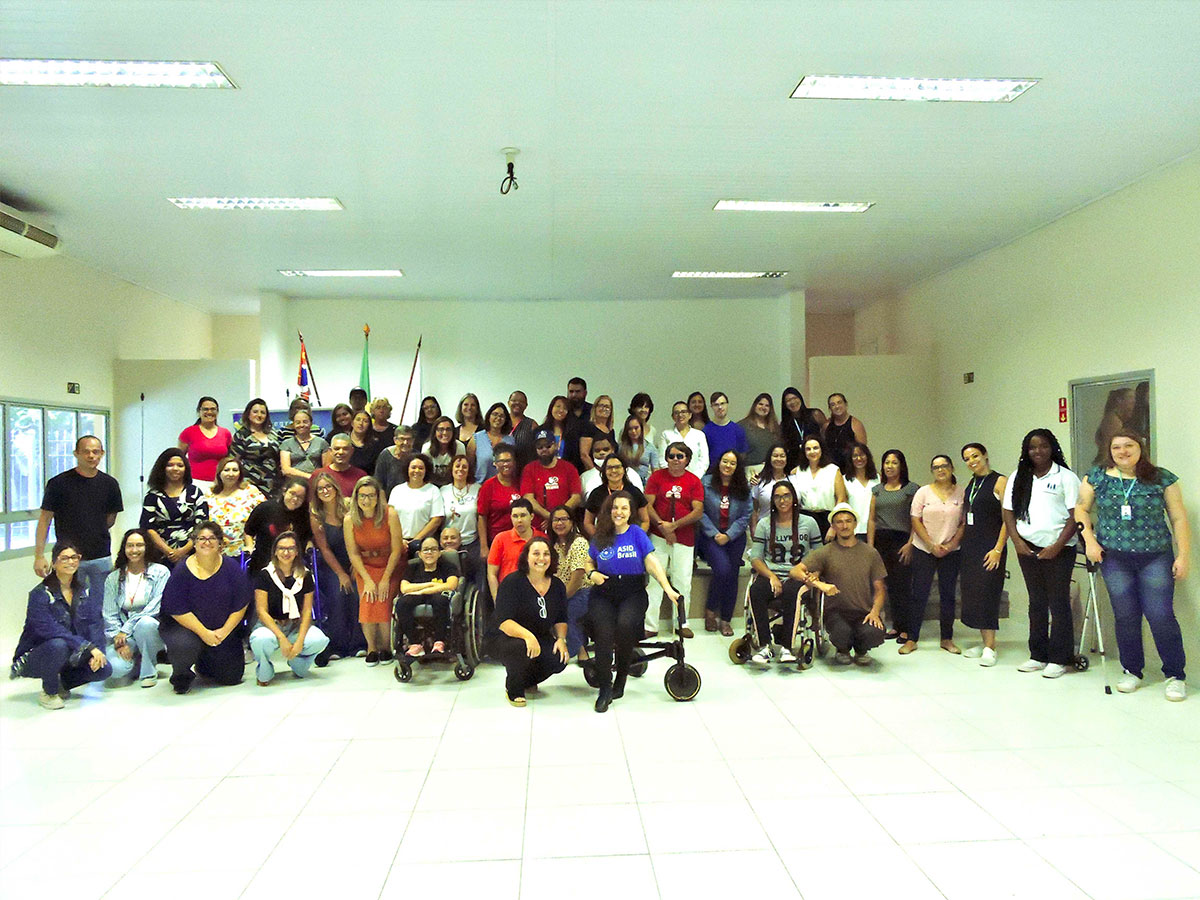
(791, 206)
(318, 204)
(876, 87)
(728, 274)
(342, 273)
(112, 73)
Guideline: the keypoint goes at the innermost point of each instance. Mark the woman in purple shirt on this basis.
(203, 605)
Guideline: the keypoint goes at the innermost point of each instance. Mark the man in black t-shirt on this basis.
(83, 503)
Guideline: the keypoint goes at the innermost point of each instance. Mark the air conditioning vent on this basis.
(22, 240)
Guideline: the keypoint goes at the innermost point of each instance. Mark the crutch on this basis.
(1091, 616)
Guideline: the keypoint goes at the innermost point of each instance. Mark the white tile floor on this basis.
(925, 777)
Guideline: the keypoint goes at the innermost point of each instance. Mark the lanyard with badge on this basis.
(1127, 507)
(977, 484)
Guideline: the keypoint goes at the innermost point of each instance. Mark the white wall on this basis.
(64, 321)
(668, 348)
(1114, 287)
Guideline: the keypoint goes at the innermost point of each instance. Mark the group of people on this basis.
(575, 529)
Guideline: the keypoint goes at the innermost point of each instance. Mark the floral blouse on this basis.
(231, 511)
(174, 518)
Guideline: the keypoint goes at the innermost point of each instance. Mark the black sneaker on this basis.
(385, 656)
(372, 658)
(604, 699)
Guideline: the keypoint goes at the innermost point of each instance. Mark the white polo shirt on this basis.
(1051, 499)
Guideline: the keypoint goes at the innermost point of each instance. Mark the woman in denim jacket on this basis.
(722, 538)
(132, 597)
(61, 641)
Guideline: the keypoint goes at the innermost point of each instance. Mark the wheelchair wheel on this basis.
(808, 651)
(464, 672)
(682, 682)
(638, 666)
(403, 672)
(475, 626)
(822, 646)
(739, 651)
(1082, 663)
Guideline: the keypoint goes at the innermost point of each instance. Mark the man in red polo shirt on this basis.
(549, 481)
(507, 545)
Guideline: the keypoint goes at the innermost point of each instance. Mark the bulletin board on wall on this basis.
(1105, 404)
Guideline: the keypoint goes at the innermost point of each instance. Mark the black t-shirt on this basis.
(597, 496)
(416, 573)
(81, 507)
(517, 600)
(270, 519)
(263, 582)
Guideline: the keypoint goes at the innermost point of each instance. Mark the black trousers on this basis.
(224, 663)
(616, 611)
(523, 672)
(406, 620)
(1051, 629)
(899, 574)
(761, 599)
(848, 631)
(924, 565)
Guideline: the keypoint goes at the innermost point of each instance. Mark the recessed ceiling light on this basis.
(112, 73)
(342, 273)
(286, 203)
(728, 274)
(876, 87)
(791, 206)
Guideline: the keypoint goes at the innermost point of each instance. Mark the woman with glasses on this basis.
(497, 425)
(431, 578)
(938, 523)
(600, 424)
(441, 448)
(132, 604)
(375, 545)
(615, 478)
(205, 442)
(59, 643)
(203, 605)
(339, 600)
(283, 594)
(431, 411)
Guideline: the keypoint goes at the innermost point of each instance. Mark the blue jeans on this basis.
(263, 643)
(1140, 584)
(51, 662)
(94, 571)
(577, 607)
(145, 644)
(726, 563)
(339, 615)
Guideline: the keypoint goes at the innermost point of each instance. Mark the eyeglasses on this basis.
(208, 409)
(941, 467)
(69, 557)
(676, 456)
(430, 549)
(207, 539)
(285, 549)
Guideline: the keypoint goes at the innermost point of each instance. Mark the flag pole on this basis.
(311, 376)
(411, 375)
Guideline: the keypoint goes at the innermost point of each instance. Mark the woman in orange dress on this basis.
(375, 545)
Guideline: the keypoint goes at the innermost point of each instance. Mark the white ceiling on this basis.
(632, 118)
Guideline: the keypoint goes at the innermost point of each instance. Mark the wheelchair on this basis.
(810, 634)
(681, 680)
(462, 646)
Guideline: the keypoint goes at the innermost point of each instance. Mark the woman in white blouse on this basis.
(460, 500)
(132, 597)
(418, 503)
(819, 484)
(860, 476)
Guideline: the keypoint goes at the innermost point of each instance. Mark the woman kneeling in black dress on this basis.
(531, 616)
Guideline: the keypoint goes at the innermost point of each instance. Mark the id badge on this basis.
(970, 518)
(1126, 512)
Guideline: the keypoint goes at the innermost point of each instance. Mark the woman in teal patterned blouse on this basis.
(1123, 508)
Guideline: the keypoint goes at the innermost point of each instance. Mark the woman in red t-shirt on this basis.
(205, 443)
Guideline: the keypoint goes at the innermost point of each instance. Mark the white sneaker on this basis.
(786, 655)
(50, 701)
(1176, 689)
(1031, 665)
(973, 652)
(763, 656)
(988, 657)
(1053, 670)
(150, 681)
(1129, 683)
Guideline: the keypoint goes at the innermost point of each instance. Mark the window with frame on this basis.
(39, 443)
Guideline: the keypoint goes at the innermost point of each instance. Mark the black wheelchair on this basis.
(462, 649)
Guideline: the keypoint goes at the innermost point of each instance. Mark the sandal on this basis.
(415, 650)
(726, 629)
(908, 647)
(439, 648)
(515, 701)
(951, 647)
